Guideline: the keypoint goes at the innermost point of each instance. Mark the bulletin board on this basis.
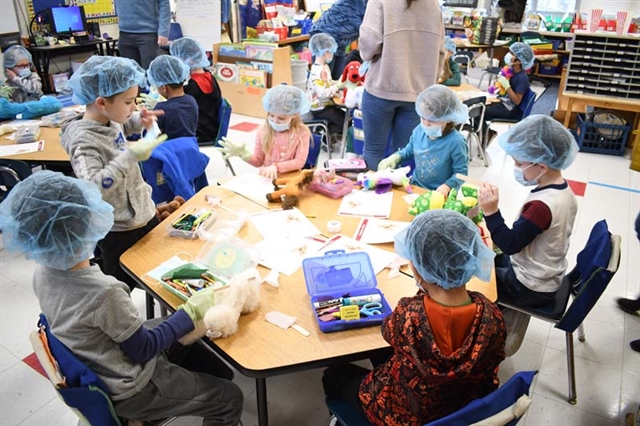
(103, 11)
(200, 19)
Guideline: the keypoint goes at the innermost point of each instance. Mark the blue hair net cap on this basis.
(440, 104)
(54, 219)
(449, 44)
(321, 43)
(15, 54)
(167, 69)
(285, 99)
(540, 139)
(189, 51)
(524, 53)
(104, 76)
(445, 248)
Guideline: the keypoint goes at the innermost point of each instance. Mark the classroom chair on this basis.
(12, 172)
(528, 99)
(320, 132)
(596, 265)
(504, 406)
(463, 58)
(175, 32)
(224, 118)
(473, 127)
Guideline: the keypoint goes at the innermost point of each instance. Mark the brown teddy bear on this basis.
(165, 210)
(288, 190)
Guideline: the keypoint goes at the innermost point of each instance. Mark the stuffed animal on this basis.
(354, 97)
(433, 200)
(164, 211)
(240, 296)
(288, 190)
(383, 180)
(351, 78)
(32, 109)
(497, 88)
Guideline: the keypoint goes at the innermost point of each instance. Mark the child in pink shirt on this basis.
(282, 142)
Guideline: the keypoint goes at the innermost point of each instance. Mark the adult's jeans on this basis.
(381, 117)
(141, 47)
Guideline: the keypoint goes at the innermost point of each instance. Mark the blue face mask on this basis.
(518, 173)
(279, 127)
(432, 132)
(508, 58)
(25, 72)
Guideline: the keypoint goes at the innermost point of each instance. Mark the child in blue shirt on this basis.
(180, 118)
(439, 150)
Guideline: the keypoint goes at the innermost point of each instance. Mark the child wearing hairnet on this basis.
(21, 75)
(520, 58)
(282, 142)
(451, 72)
(446, 342)
(439, 150)
(101, 154)
(180, 118)
(202, 86)
(57, 220)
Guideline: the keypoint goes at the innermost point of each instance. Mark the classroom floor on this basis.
(608, 371)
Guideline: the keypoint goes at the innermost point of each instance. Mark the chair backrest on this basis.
(12, 172)
(224, 117)
(477, 107)
(81, 389)
(526, 105)
(175, 31)
(319, 136)
(500, 401)
(596, 265)
(463, 58)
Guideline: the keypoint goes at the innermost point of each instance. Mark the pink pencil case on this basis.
(335, 188)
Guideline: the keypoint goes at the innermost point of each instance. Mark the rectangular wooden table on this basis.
(53, 152)
(260, 349)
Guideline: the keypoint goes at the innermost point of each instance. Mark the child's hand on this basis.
(270, 172)
(10, 74)
(198, 304)
(148, 117)
(504, 82)
(488, 197)
(150, 101)
(231, 149)
(444, 190)
(143, 148)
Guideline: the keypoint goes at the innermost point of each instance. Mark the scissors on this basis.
(370, 309)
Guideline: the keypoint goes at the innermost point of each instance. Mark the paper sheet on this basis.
(23, 148)
(366, 204)
(278, 224)
(379, 258)
(165, 267)
(251, 186)
(378, 231)
(286, 255)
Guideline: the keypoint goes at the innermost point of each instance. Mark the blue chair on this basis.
(528, 100)
(175, 32)
(224, 118)
(596, 265)
(504, 400)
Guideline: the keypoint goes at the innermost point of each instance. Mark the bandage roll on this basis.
(334, 226)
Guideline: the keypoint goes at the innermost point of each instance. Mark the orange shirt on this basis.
(450, 324)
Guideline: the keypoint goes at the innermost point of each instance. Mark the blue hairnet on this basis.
(440, 104)
(285, 99)
(445, 248)
(321, 43)
(54, 219)
(524, 53)
(189, 51)
(104, 76)
(166, 69)
(449, 44)
(15, 54)
(540, 139)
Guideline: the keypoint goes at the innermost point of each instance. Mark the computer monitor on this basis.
(68, 20)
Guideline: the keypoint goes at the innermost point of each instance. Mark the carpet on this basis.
(546, 103)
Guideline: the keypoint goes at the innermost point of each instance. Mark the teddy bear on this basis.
(288, 190)
(165, 210)
(351, 78)
(497, 88)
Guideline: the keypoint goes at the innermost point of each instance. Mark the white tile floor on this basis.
(608, 372)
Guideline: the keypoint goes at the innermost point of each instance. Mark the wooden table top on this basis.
(53, 152)
(260, 349)
(467, 88)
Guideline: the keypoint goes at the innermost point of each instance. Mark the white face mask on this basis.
(508, 58)
(25, 72)
(279, 127)
(518, 173)
(432, 132)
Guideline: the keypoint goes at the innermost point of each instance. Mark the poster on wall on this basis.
(103, 11)
(200, 19)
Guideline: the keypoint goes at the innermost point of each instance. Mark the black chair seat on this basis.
(553, 311)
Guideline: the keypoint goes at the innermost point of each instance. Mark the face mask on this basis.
(518, 173)
(508, 58)
(432, 132)
(279, 127)
(26, 72)
(329, 57)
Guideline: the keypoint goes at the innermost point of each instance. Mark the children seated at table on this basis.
(446, 342)
(100, 153)
(451, 72)
(180, 118)
(202, 86)
(439, 150)
(56, 221)
(21, 75)
(282, 142)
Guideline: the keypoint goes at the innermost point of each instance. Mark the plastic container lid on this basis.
(338, 272)
(228, 257)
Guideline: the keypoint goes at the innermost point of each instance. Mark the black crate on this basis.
(601, 138)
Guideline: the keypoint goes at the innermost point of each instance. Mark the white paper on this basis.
(21, 123)
(286, 254)
(378, 231)
(165, 267)
(252, 186)
(22, 148)
(379, 258)
(366, 204)
(279, 224)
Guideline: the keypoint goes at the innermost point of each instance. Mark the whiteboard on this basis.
(8, 18)
(200, 19)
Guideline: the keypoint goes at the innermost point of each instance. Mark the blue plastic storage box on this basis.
(338, 274)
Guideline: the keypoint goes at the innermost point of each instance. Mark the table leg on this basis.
(261, 395)
(567, 117)
(149, 305)
(635, 153)
(345, 129)
(45, 64)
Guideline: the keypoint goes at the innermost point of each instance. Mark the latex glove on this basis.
(150, 100)
(198, 304)
(143, 148)
(232, 149)
(504, 82)
(391, 162)
(364, 67)
(488, 198)
(270, 172)
(5, 128)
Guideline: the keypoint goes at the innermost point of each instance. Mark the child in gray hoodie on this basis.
(101, 154)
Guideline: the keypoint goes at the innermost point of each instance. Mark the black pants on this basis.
(513, 291)
(141, 47)
(497, 111)
(114, 244)
(342, 381)
(333, 115)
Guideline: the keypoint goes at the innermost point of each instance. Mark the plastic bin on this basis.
(299, 70)
(601, 138)
(189, 224)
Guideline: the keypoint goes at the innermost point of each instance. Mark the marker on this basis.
(347, 301)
